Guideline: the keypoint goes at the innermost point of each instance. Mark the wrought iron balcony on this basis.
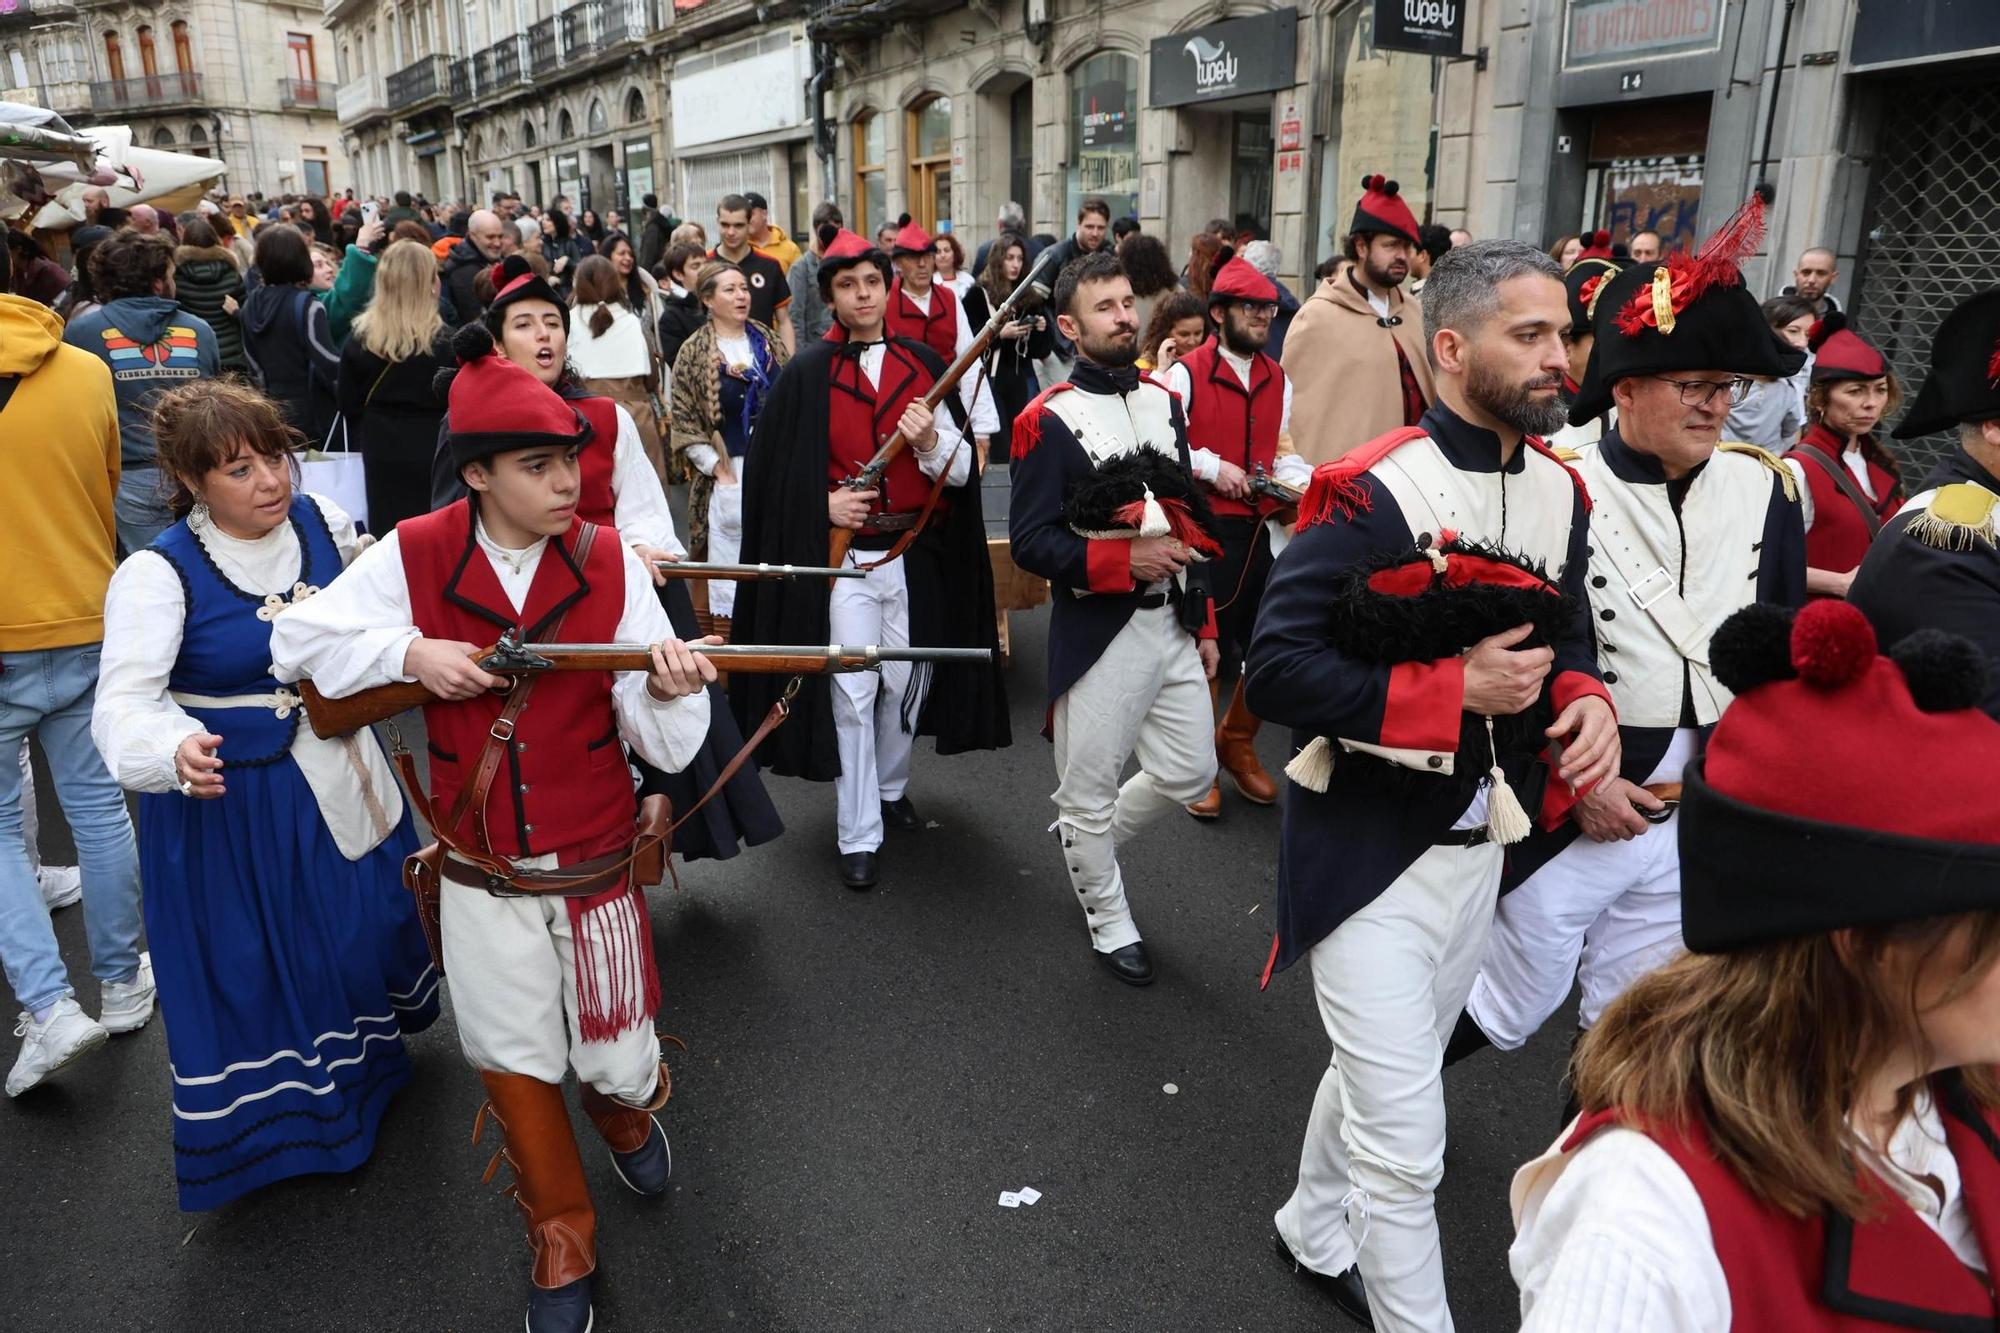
(359, 99)
(542, 57)
(463, 86)
(307, 95)
(426, 79)
(149, 91)
(501, 66)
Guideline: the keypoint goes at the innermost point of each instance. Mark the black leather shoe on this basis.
(1345, 1288)
(1129, 964)
(857, 870)
(899, 813)
(564, 1309)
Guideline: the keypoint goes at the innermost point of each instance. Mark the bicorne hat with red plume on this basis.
(1687, 312)
(1841, 788)
(1964, 383)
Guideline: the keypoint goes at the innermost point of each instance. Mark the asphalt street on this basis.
(865, 1074)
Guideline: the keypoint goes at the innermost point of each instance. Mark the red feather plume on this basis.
(1993, 367)
(1717, 264)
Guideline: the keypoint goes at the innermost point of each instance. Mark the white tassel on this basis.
(1153, 519)
(1312, 766)
(1506, 822)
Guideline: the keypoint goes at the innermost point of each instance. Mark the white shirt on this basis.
(1614, 1236)
(355, 634)
(1855, 463)
(1288, 468)
(973, 390)
(137, 724)
(619, 353)
(638, 502)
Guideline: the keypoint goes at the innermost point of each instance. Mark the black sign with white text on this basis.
(1232, 58)
(1434, 27)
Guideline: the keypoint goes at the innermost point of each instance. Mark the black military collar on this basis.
(1628, 464)
(1957, 466)
(1467, 447)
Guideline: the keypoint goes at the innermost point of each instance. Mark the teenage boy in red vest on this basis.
(921, 310)
(1239, 420)
(545, 977)
(835, 404)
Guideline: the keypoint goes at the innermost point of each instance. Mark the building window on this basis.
(527, 134)
(198, 141)
(638, 171)
(635, 108)
(149, 58)
(299, 49)
(595, 122)
(17, 68)
(316, 175)
(183, 48)
(871, 188)
(1104, 133)
(929, 138)
(114, 57)
(565, 124)
(163, 137)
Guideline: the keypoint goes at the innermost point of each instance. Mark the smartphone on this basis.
(371, 211)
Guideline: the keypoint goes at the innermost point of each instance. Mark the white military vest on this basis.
(1659, 585)
(1109, 424)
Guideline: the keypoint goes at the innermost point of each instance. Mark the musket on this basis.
(704, 569)
(512, 658)
(1264, 484)
(869, 476)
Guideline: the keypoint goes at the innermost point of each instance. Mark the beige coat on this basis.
(1346, 389)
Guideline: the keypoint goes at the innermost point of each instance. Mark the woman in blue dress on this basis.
(288, 957)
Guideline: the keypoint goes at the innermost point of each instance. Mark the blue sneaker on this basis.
(647, 1168)
(564, 1309)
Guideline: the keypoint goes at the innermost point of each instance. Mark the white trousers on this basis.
(868, 706)
(725, 538)
(512, 965)
(1147, 696)
(1612, 907)
(1390, 983)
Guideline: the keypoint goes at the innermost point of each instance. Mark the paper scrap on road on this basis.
(1171, 1088)
(1009, 1199)
(1028, 1194)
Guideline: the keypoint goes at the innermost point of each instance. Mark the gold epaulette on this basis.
(1769, 460)
(1565, 454)
(1958, 517)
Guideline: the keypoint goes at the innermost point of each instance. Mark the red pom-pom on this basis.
(1600, 237)
(1389, 188)
(1832, 644)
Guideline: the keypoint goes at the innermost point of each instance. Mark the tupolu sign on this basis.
(1434, 27)
(1234, 58)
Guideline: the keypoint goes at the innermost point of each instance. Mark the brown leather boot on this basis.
(1210, 806)
(1236, 752)
(548, 1175)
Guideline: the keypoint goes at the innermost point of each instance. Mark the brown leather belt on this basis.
(1666, 791)
(572, 881)
(903, 522)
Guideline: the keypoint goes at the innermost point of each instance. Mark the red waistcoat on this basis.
(1240, 425)
(937, 330)
(596, 501)
(1830, 1274)
(562, 784)
(1840, 535)
(859, 418)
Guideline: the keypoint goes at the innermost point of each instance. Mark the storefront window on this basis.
(1104, 133)
(638, 171)
(871, 189)
(930, 164)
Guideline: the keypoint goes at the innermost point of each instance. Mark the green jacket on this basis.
(353, 288)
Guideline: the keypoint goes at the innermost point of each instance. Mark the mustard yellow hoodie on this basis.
(59, 454)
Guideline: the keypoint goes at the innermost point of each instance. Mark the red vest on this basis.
(937, 330)
(1840, 536)
(1239, 425)
(860, 418)
(562, 784)
(596, 501)
(1821, 1275)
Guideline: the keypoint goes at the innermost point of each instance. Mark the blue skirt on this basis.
(288, 976)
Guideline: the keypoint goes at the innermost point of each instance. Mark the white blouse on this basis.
(354, 636)
(620, 352)
(1613, 1237)
(138, 725)
(639, 502)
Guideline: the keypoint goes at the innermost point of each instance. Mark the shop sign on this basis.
(1290, 131)
(1234, 58)
(1105, 124)
(1888, 34)
(1600, 32)
(1433, 27)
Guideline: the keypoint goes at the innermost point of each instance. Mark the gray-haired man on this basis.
(1390, 862)
(1013, 221)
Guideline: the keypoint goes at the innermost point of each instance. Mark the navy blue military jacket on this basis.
(1340, 849)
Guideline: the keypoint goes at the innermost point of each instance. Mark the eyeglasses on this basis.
(1258, 307)
(1700, 393)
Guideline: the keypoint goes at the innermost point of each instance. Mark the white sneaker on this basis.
(49, 1046)
(128, 1004)
(62, 886)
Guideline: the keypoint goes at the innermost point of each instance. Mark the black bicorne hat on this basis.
(1964, 383)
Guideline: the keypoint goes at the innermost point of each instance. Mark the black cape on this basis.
(949, 573)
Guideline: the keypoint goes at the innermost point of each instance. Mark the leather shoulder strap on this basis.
(1844, 479)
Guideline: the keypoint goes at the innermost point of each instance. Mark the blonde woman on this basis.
(384, 387)
(722, 377)
(610, 352)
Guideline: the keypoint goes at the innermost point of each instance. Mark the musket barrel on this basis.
(729, 650)
(713, 570)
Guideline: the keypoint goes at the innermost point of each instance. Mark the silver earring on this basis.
(198, 515)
